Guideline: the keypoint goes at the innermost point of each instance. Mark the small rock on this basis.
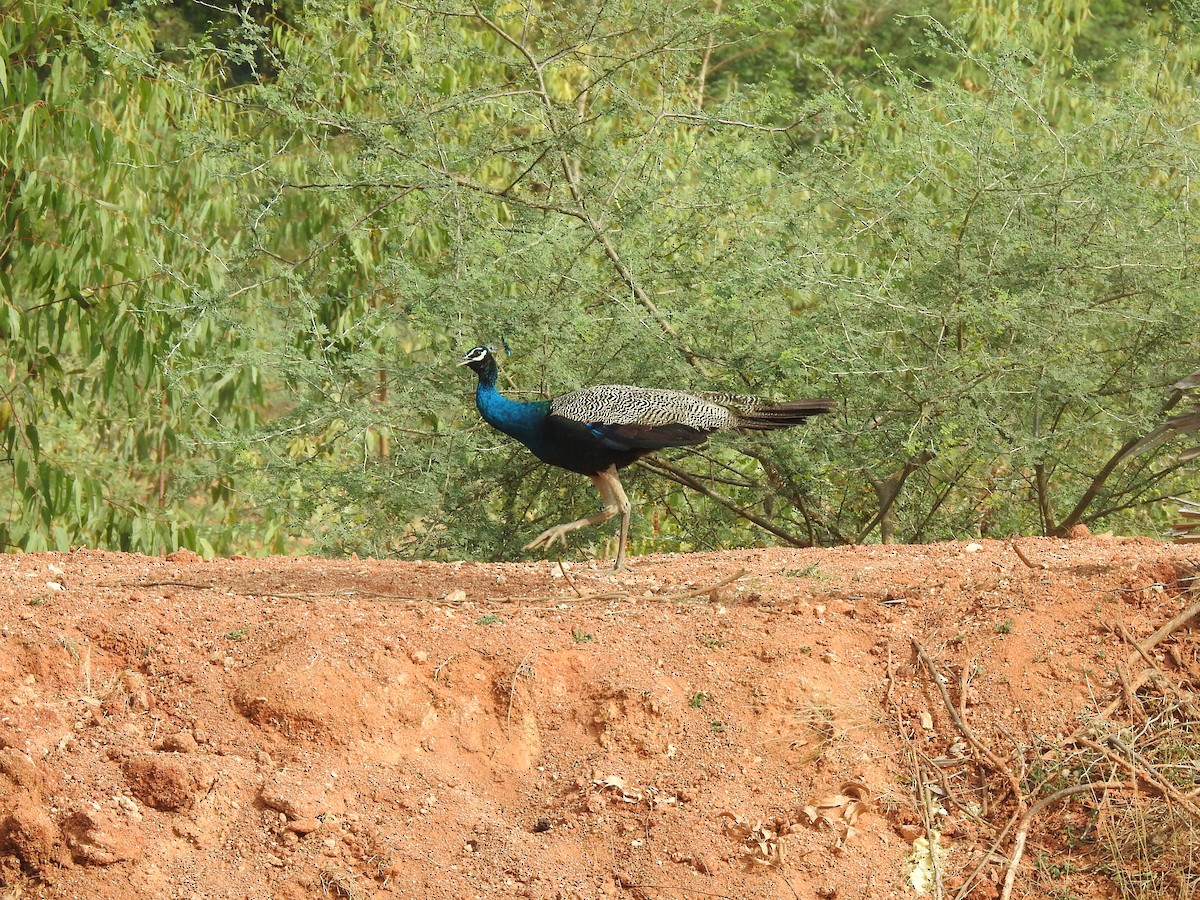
(165, 781)
(28, 833)
(305, 825)
(909, 831)
(183, 742)
(184, 556)
(19, 769)
(137, 689)
(98, 838)
(285, 793)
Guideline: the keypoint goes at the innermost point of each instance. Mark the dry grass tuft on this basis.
(1120, 796)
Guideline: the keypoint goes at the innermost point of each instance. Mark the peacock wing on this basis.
(624, 437)
(621, 404)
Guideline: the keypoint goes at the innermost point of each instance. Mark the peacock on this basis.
(597, 430)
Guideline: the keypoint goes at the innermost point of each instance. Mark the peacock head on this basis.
(481, 362)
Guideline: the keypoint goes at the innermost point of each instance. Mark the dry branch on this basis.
(997, 763)
(1157, 674)
(1143, 648)
(701, 591)
(1142, 772)
(1027, 820)
(1025, 559)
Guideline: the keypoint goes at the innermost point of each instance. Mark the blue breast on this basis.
(517, 419)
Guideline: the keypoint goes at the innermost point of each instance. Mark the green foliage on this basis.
(106, 215)
(243, 250)
(1020, 289)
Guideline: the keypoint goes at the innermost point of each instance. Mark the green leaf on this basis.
(27, 118)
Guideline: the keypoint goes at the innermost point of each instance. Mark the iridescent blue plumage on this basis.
(515, 418)
(596, 431)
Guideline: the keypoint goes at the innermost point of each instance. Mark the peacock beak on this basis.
(463, 361)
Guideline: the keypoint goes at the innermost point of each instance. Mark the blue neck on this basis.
(522, 421)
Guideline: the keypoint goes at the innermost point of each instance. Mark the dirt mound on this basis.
(855, 722)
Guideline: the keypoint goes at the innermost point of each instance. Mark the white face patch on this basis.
(476, 354)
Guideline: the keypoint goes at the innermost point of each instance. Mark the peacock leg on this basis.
(625, 507)
(615, 502)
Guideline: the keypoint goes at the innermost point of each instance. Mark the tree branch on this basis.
(679, 476)
(1097, 485)
(626, 274)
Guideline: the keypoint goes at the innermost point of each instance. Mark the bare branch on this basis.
(680, 476)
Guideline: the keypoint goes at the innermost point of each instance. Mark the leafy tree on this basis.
(980, 242)
(1020, 282)
(94, 265)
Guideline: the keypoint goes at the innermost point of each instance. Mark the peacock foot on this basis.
(548, 537)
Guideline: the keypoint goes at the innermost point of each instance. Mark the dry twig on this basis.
(891, 682)
(1027, 820)
(567, 575)
(997, 763)
(1141, 771)
(1142, 649)
(1021, 555)
(512, 691)
(1157, 674)
(700, 592)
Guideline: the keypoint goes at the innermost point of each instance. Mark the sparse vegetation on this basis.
(1121, 791)
(812, 570)
(260, 364)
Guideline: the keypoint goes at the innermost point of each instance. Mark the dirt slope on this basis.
(295, 727)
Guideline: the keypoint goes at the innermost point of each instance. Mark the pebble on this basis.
(304, 825)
